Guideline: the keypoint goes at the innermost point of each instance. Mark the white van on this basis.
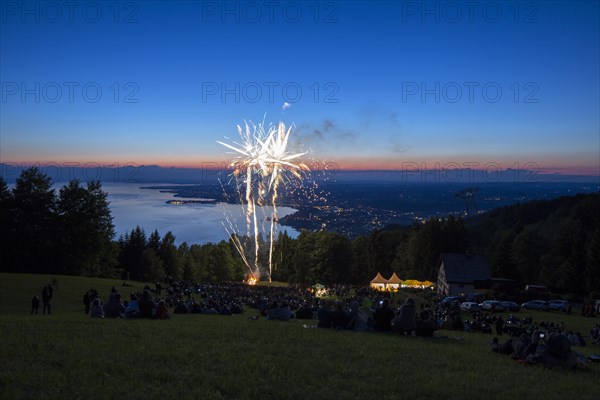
(597, 306)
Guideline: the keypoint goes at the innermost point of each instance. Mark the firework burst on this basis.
(263, 163)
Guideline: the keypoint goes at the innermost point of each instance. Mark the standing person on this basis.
(499, 325)
(87, 301)
(46, 297)
(35, 304)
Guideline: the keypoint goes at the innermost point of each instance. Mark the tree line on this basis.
(554, 243)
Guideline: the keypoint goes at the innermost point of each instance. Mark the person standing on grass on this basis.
(46, 297)
(35, 304)
(87, 302)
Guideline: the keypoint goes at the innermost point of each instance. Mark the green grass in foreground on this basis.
(71, 356)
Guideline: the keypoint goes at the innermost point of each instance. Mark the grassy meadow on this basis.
(71, 356)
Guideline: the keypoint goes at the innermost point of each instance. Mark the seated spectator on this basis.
(425, 326)
(519, 347)
(196, 308)
(576, 339)
(363, 322)
(304, 312)
(353, 307)
(236, 308)
(211, 309)
(280, 313)
(224, 310)
(324, 315)
(133, 309)
(404, 322)
(162, 311)
(181, 308)
(97, 311)
(458, 324)
(339, 318)
(556, 352)
(383, 317)
(114, 308)
(146, 305)
(594, 334)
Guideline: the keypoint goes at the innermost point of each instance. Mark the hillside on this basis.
(551, 242)
(220, 357)
(17, 290)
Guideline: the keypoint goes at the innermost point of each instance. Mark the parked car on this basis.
(452, 300)
(492, 305)
(560, 305)
(469, 306)
(511, 305)
(535, 305)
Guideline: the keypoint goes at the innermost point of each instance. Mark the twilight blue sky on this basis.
(372, 84)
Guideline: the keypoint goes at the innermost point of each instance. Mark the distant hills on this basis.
(553, 242)
(212, 172)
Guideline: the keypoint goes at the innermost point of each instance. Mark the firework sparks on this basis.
(263, 162)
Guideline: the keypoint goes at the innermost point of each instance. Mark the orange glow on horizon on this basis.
(549, 166)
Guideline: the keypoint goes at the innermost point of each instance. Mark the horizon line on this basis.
(408, 167)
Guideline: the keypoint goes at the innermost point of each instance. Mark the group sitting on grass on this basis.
(145, 307)
(363, 311)
(550, 349)
(362, 315)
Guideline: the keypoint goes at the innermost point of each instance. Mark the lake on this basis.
(192, 223)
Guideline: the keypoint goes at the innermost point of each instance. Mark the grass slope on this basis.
(69, 355)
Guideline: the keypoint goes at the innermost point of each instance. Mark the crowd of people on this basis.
(361, 310)
(549, 348)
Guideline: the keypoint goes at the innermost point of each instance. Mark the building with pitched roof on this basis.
(462, 273)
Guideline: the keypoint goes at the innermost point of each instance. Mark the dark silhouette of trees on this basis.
(283, 257)
(31, 245)
(554, 243)
(168, 254)
(546, 242)
(85, 231)
(7, 225)
(68, 233)
(593, 263)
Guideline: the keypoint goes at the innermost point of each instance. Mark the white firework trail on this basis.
(263, 160)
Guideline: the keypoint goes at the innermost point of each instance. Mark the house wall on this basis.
(442, 285)
(444, 288)
(458, 288)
